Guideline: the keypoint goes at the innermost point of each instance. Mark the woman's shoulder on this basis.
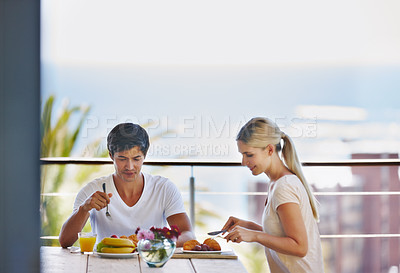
(291, 181)
(287, 189)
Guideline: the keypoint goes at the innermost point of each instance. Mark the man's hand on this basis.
(75, 223)
(97, 201)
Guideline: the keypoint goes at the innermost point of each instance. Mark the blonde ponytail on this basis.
(292, 162)
(260, 132)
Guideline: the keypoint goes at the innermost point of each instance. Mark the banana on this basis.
(118, 242)
(117, 249)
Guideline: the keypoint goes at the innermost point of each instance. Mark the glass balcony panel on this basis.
(360, 223)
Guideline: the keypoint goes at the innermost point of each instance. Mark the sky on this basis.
(203, 68)
(326, 72)
(221, 32)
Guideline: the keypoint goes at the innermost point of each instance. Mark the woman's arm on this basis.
(294, 243)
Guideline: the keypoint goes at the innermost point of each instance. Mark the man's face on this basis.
(128, 164)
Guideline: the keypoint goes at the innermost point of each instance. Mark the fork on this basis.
(217, 236)
(104, 189)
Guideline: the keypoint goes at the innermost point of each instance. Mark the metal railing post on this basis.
(192, 203)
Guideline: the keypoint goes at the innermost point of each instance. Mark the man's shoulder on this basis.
(94, 184)
(158, 181)
(102, 179)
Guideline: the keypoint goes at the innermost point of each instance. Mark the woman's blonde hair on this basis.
(260, 132)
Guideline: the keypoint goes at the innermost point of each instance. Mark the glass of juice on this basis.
(87, 240)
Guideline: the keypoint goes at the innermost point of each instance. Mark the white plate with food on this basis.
(116, 255)
(202, 251)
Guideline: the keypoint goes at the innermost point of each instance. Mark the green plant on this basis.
(57, 140)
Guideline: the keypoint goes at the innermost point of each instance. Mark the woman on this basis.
(289, 230)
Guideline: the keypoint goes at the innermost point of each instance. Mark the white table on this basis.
(57, 260)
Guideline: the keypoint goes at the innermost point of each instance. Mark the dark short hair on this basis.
(125, 136)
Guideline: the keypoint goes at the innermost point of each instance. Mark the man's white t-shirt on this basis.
(160, 199)
(289, 189)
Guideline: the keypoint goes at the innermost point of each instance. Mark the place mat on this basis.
(225, 254)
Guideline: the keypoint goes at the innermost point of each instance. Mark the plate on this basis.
(202, 252)
(116, 255)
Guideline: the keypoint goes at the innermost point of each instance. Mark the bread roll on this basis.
(213, 244)
(189, 245)
(134, 239)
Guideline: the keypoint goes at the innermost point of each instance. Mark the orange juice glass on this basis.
(87, 242)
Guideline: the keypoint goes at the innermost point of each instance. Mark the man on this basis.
(134, 199)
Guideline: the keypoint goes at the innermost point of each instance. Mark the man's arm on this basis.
(71, 227)
(75, 223)
(181, 220)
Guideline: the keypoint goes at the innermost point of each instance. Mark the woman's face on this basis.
(256, 159)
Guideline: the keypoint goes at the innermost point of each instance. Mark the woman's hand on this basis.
(97, 200)
(232, 223)
(240, 234)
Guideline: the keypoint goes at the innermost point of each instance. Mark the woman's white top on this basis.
(289, 189)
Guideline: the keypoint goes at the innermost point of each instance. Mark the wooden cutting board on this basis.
(179, 254)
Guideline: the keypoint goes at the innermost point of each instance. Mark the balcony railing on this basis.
(183, 162)
(340, 239)
(197, 163)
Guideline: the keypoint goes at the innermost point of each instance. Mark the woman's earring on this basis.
(270, 149)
